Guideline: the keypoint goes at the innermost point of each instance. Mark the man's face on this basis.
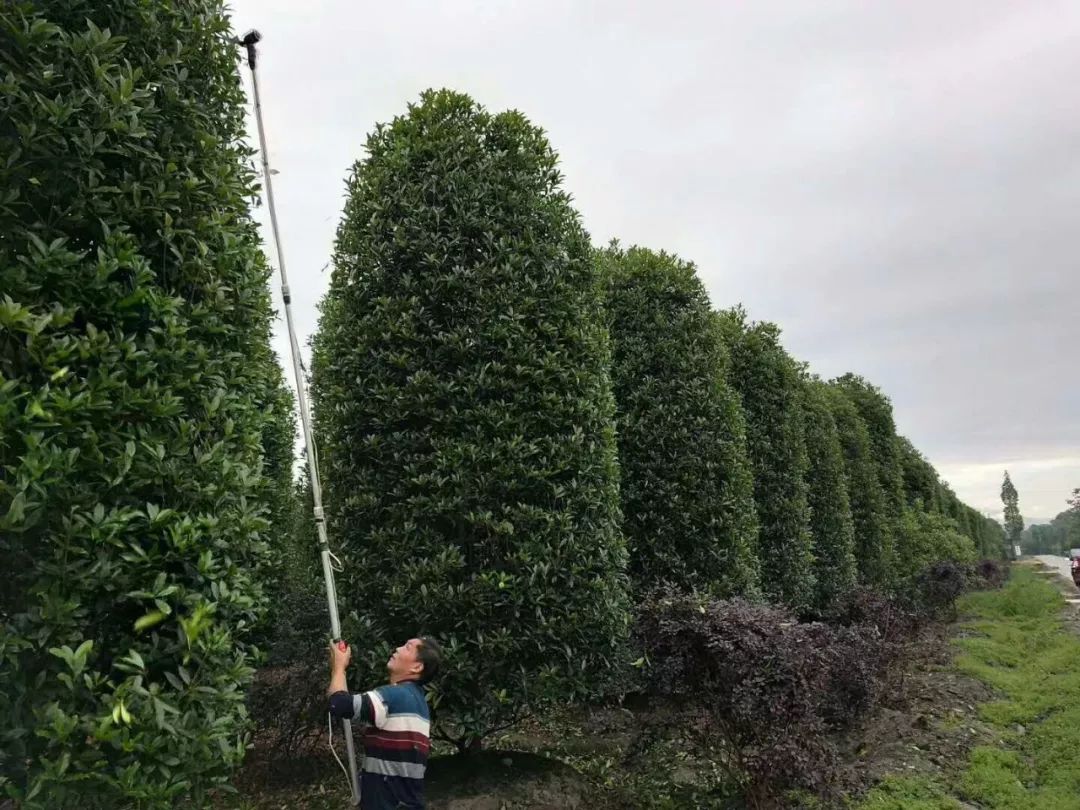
(404, 664)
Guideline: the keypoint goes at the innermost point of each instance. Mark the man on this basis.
(397, 733)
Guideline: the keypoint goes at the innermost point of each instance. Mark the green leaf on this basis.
(149, 620)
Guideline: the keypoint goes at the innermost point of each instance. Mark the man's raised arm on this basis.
(341, 702)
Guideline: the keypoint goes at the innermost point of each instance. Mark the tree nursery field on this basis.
(668, 565)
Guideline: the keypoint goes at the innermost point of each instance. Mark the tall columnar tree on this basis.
(876, 411)
(963, 521)
(134, 321)
(1014, 523)
(946, 497)
(974, 519)
(463, 398)
(873, 547)
(996, 543)
(920, 478)
(952, 504)
(277, 405)
(990, 542)
(770, 387)
(687, 490)
(831, 523)
(979, 538)
(937, 502)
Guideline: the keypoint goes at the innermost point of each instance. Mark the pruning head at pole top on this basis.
(248, 41)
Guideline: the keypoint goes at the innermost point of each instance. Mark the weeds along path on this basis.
(1020, 641)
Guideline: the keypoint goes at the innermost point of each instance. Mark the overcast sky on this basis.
(897, 184)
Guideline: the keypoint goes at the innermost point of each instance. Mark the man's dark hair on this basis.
(430, 655)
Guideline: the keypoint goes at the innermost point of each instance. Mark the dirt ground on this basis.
(928, 727)
(584, 756)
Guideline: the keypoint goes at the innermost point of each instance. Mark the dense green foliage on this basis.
(831, 523)
(927, 537)
(876, 412)
(687, 490)
(135, 410)
(479, 374)
(291, 552)
(770, 387)
(993, 539)
(279, 449)
(921, 485)
(987, 535)
(1014, 523)
(464, 405)
(872, 548)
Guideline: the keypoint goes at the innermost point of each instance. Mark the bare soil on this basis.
(927, 727)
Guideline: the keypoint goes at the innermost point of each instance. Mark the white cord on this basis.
(336, 562)
(330, 731)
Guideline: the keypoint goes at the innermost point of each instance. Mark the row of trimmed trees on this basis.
(523, 434)
(520, 433)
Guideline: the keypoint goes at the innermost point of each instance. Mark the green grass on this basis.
(1033, 661)
(909, 793)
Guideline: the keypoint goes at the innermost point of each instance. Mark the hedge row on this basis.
(511, 423)
(522, 436)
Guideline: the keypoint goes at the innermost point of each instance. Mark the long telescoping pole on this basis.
(248, 42)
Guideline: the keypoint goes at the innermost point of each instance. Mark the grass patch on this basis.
(909, 793)
(1020, 647)
(1034, 661)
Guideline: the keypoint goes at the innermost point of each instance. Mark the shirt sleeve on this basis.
(368, 708)
(373, 708)
(343, 705)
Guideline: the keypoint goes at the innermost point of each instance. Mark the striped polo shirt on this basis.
(396, 739)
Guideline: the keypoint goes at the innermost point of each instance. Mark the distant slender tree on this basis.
(1014, 523)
